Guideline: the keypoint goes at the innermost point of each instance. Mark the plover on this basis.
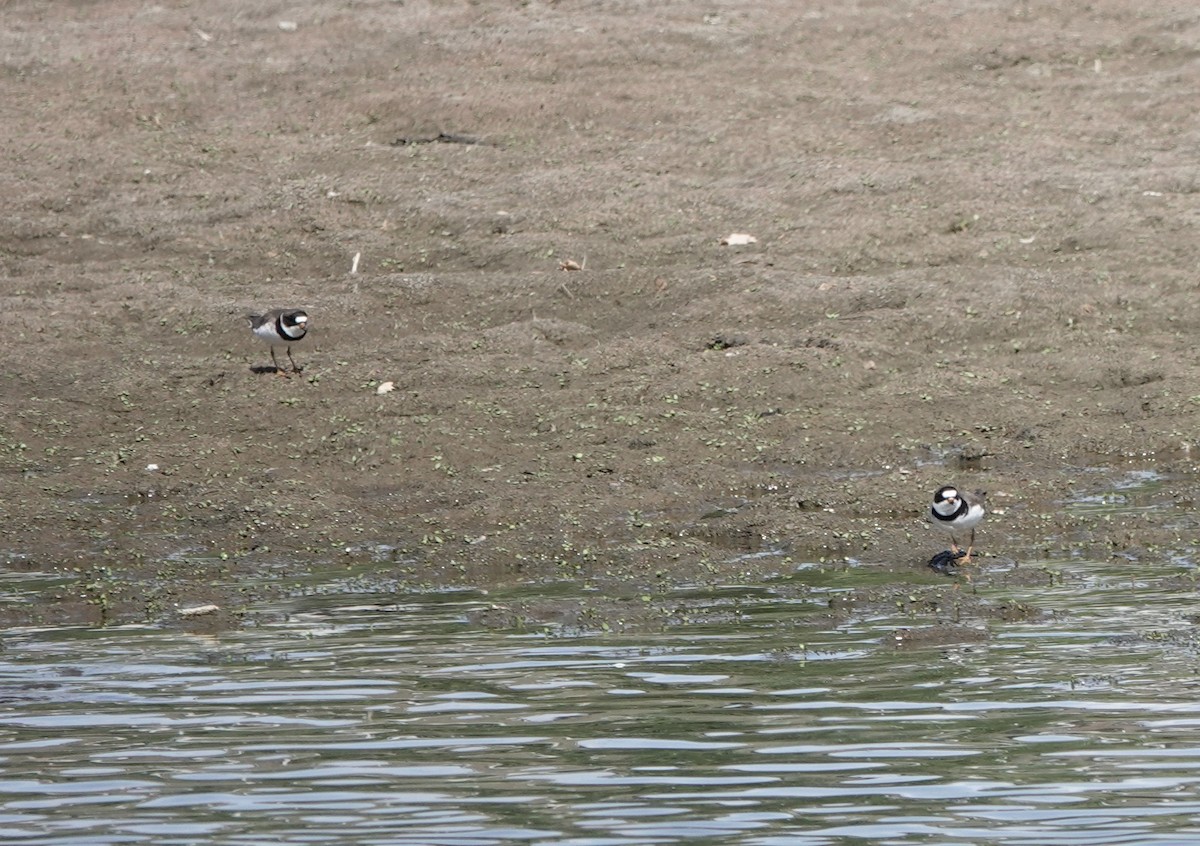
(280, 327)
(957, 512)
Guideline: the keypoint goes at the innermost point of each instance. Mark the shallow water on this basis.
(403, 720)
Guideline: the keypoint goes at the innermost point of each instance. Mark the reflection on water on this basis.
(1134, 491)
(400, 720)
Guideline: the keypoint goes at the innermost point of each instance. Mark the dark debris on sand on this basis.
(946, 562)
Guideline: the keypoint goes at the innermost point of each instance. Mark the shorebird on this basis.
(280, 327)
(957, 512)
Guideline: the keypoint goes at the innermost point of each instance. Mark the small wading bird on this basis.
(280, 327)
(957, 512)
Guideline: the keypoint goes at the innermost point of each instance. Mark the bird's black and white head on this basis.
(946, 500)
(293, 324)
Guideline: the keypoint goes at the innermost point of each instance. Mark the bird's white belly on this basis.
(969, 520)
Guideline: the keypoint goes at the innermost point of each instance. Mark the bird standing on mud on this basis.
(956, 512)
(280, 327)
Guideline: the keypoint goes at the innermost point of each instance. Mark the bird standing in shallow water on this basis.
(280, 327)
(956, 512)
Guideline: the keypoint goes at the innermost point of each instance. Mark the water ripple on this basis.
(384, 722)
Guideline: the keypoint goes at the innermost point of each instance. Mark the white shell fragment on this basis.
(385, 388)
(738, 239)
(198, 610)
